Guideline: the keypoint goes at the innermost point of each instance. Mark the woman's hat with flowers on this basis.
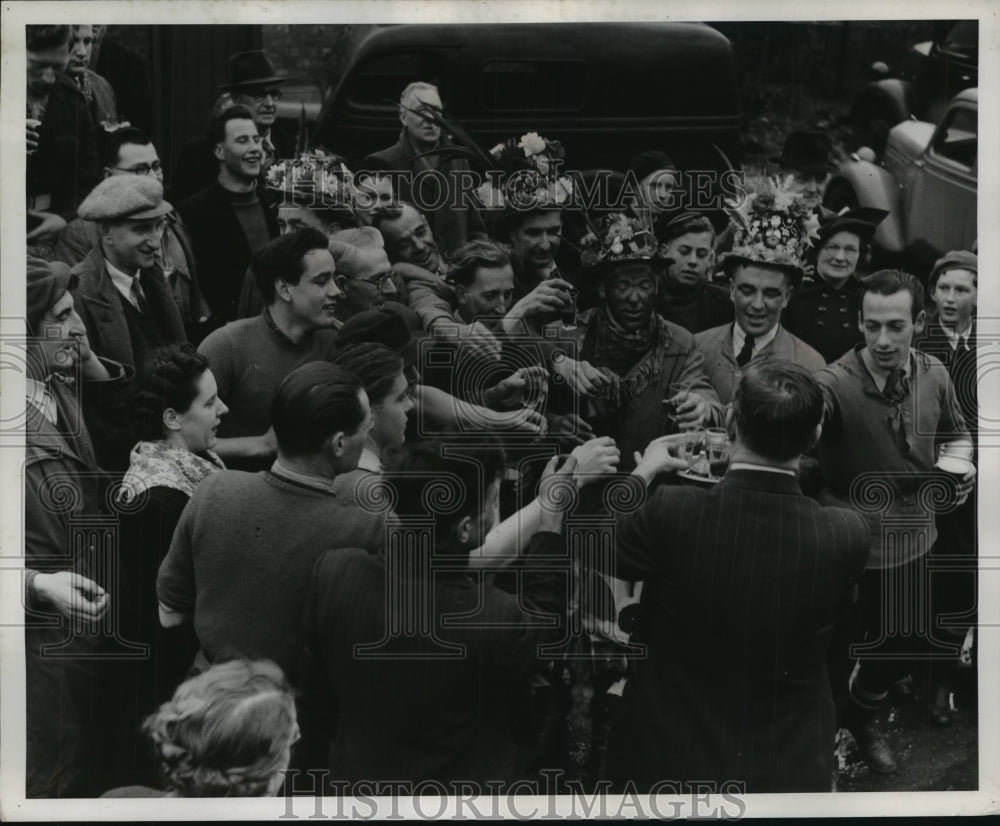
(526, 175)
(774, 226)
(317, 176)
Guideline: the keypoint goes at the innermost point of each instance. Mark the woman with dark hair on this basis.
(176, 413)
(227, 732)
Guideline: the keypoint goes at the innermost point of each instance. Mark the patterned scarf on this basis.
(159, 464)
(634, 360)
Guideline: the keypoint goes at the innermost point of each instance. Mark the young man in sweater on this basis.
(229, 220)
(297, 276)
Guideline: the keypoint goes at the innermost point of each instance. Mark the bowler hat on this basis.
(125, 198)
(251, 69)
(806, 151)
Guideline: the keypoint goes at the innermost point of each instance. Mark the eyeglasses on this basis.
(378, 281)
(142, 168)
(259, 94)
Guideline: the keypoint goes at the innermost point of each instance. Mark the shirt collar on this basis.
(768, 468)
(369, 461)
(879, 381)
(122, 281)
(758, 343)
(953, 337)
(308, 480)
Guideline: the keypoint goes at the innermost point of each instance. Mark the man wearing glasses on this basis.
(129, 151)
(364, 269)
(123, 297)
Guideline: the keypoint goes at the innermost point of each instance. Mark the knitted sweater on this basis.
(243, 554)
(249, 358)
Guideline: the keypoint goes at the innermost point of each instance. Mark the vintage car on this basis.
(926, 178)
(932, 73)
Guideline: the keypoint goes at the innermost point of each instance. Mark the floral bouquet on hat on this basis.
(618, 236)
(529, 175)
(321, 175)
(773, 226)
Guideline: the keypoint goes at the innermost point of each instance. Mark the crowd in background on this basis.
(325, 472)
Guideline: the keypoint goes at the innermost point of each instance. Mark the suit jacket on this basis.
(451, 226)
(404, 714)
(99, 306)
(720, 361)
(80, 237)
(220, 248)
(65, 164)
(743, 585)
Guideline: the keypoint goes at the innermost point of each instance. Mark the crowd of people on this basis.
(327, 472)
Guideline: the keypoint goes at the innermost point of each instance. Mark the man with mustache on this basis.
(229, 220)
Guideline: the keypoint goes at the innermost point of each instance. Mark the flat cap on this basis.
(954, 260)
(125, 198)
(47, 282)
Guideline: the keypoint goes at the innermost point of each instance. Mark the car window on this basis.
(958, 139)
(378, 81)
(533, 84)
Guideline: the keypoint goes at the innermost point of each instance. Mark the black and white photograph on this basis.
(473, 410)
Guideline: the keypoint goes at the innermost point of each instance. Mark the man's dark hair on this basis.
(313, 402)
(168, 379)
(40, 38)
(776, 407)
(731, 264)
(375, 366)
(890, 282)
(509, 220)
(475, 254)
(112, 142)
(217, 128)
(281, 257)
(670, 226)
(450, 487)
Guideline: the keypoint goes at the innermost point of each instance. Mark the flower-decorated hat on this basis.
(318, 178)
(774, 226)
(617, 236)
(526, 175)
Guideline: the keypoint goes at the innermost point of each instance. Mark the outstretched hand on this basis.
(662, 455)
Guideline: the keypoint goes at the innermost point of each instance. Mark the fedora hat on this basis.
(251, 69)
(808, 151)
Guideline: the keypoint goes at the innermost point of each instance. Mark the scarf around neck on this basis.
(635, 357)
(159, 464)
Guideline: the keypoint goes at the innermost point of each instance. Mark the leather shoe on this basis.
(873, 745)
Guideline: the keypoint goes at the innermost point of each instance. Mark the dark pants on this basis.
(899, 635)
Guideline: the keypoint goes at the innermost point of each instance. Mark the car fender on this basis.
(874, 186)
(891, 97)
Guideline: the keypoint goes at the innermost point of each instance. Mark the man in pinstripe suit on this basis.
(739, 606)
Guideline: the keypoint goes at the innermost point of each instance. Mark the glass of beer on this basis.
(717, 441)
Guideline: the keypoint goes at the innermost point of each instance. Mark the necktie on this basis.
(896, 388)
(744, 355)
(138, 296)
